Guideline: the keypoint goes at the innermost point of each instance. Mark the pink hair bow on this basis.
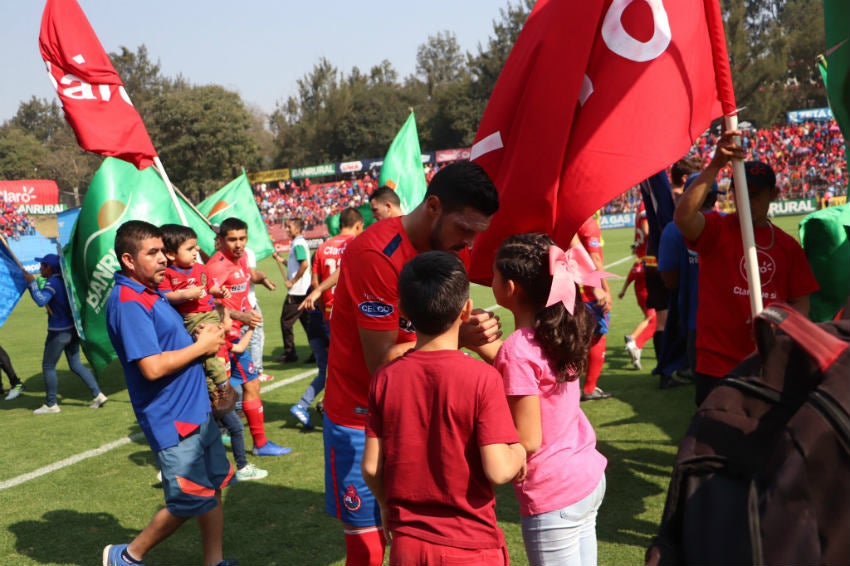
(568, 269)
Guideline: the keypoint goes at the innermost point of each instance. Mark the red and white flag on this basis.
(94, 99)
(595, 96)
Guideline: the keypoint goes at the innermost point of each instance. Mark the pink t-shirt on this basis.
(567, 467)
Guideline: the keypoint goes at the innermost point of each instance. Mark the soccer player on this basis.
(166, 384)
(724, 320)
(229, 268)
(598, 302)
(369, 330)
(384, 203)
(637, 275)
(326, 262)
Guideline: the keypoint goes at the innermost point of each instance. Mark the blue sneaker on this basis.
(302, 415)
(271, 449)
(112, 556)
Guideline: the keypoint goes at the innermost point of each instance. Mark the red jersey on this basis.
(236, 276)
(177, 279)
(641, 236)
(724, 323)
(434, 480)
(590, 236)
(326, 261)
(366, 297)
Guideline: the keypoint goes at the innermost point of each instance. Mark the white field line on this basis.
(64, 463)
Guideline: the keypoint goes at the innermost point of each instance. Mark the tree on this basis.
(203, 135)
(21, 153)
(440, 61)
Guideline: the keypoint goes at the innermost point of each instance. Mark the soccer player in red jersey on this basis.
(229, 268)
(645, 328)
(369, 330)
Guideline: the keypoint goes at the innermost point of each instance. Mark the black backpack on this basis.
(763, 473)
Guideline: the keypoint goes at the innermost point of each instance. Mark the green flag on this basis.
(237, 199)
(332, 222)
(836, 15)
(824, 236)
(118, 192)
(402, 168)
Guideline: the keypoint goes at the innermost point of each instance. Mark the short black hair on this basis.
(299, 223)
(433, 288)
(231, 223)
(385, 194)
(129, 236)
(349, 217)
(684, 167)
(464, 184)
(175, 235)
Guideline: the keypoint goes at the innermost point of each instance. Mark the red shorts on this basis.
(406, 550)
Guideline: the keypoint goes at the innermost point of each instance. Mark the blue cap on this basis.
(51, 260)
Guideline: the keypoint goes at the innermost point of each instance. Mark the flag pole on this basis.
(161, 170)
(745, 219)
(171, 190)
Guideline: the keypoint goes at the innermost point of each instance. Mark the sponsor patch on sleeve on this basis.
(375, 309)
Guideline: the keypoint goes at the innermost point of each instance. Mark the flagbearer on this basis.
(724, 322)
(167, 387)
(61, 335)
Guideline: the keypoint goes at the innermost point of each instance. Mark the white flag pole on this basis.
(171, 191)
(742, 203)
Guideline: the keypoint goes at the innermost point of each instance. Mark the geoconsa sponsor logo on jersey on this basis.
(240, 288)
(375, 309)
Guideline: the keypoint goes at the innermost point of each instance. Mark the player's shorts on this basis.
(242, 368)
(601, 319)
(658, 297)
(193, 470)
(347, 497)
(407, 549)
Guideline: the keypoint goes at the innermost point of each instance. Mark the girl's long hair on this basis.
(564, 338)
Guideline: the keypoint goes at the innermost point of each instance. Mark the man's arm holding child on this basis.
(208, 340)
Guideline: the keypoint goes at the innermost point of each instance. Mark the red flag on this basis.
(96, 105)
(595, 96)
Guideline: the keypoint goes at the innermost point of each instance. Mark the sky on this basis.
(258, 48)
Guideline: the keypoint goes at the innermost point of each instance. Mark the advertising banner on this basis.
(33, 196)
(625, 220)
(459, 154)
(792, 207)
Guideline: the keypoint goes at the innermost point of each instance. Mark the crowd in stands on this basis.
(809, 160)
(14, 224)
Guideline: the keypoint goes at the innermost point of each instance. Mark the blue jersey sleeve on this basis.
(41, 296)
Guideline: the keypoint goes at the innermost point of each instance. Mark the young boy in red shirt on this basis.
(190, 290)
(439, 433)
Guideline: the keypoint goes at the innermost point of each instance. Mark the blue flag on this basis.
(12, 284)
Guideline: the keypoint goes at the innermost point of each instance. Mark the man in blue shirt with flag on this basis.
(167, 387)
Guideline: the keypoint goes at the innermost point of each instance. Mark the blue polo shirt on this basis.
(142, 323)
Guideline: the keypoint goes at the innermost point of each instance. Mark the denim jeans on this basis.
(57, 342)
(565, 537)
(319, 345)
(234, 427)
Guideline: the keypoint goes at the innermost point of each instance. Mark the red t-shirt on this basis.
(366, 297)
(326, 261)
(433, 411)
(177, 279)
(236, 276)
(724, 323)
(590, 236)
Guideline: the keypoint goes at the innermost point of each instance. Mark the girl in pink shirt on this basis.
(540, 364)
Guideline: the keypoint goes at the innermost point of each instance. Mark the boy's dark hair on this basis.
(433, 288)
(229, 224)
(299, 223)
(385, 194)
(684, 167)
(463, 184)
(349, 217)
(175, 235)
(129, 236)
(564, 338)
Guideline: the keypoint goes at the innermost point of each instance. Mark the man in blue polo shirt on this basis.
(167, 387)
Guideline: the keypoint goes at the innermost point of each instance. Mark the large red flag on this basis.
(595, 96)
(96, 105)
